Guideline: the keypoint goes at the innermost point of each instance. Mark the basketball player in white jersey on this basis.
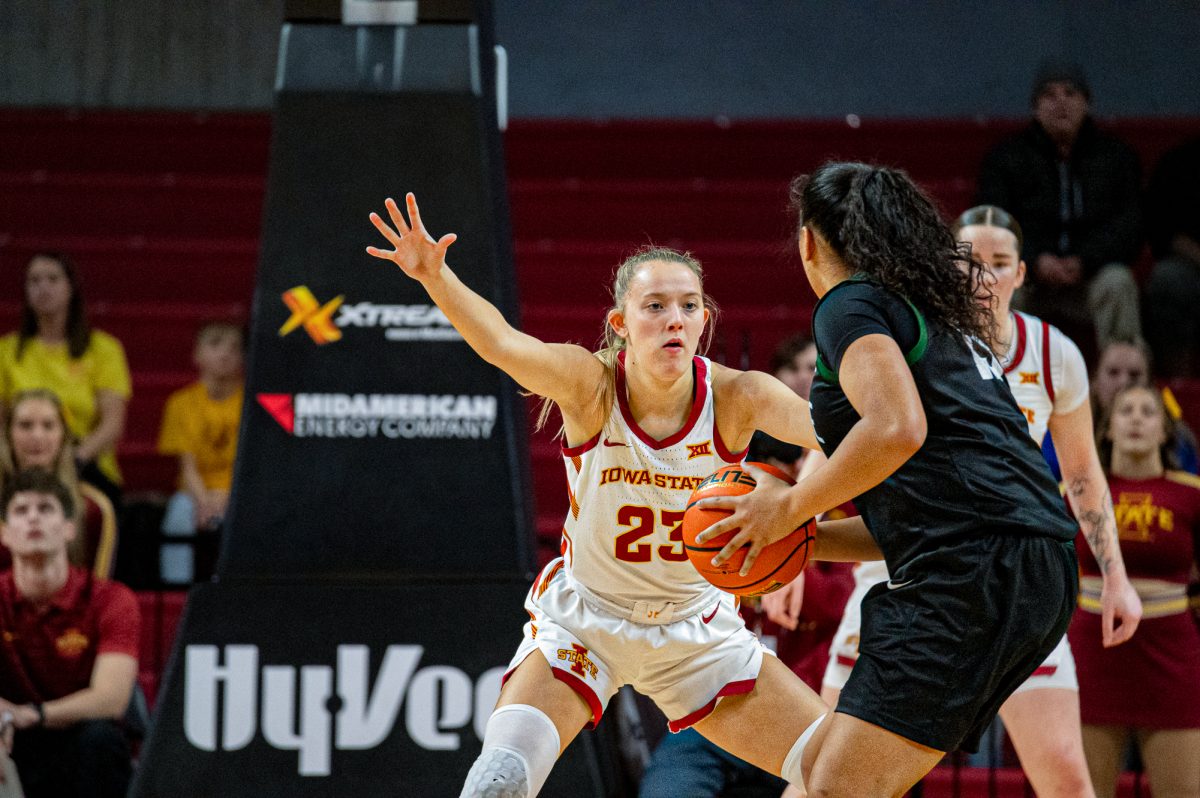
(644, 420)
(1048, 378)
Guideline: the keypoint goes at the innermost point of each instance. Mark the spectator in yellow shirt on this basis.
(200, 427)
(55, 348)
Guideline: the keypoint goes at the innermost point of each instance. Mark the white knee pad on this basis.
(520, 745)
(791, 763)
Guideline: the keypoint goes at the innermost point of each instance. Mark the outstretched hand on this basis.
(416, 253)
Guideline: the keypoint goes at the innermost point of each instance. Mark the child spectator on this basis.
(200, 427)
(56, 348)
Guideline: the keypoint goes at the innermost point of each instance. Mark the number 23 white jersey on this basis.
(622, 537)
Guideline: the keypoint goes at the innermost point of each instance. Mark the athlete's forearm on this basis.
(479, 322)
(869, 454)
(1087, 487)
(1090, 498)
(845, 540)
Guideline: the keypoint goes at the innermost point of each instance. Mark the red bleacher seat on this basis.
(142, 142)
(167, 204)
(161, 611)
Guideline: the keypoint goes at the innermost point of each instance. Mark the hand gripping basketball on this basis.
(777, 550)
(416, 253)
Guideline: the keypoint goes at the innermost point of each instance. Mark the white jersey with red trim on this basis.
(1043, 390)
(623, 539)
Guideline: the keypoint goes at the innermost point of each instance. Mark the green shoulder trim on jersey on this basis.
(1183, 478)
(911, 357)
(826, 373)
(918, 350)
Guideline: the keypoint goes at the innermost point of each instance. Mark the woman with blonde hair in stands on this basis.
(1147, 690)
(36, 435)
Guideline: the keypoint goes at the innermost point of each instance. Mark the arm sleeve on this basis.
(120, 622)
(1070, 373)
(112, 372)
(858, 310)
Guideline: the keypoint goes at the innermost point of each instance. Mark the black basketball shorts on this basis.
(954, 633)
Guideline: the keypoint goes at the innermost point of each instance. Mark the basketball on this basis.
(777, 564)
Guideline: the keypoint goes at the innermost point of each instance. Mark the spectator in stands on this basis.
(794, 362)
(1076, 190)
(1148, 689)
(36, 436)
(56, 348)
(1123, 364)
(1173, 292)
(688, 764)
(68, 650)
(200, 427)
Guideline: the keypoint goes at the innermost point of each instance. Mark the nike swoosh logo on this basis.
(893, 585)
(711, 615)
(607, 442)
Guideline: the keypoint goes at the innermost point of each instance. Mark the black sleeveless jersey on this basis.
(978, 473)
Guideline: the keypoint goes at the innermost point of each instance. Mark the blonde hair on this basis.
(612, 344)
(64, 463)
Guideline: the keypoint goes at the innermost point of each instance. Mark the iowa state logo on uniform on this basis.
(578, 657)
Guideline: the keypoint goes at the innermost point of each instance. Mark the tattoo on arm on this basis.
(1095, 520)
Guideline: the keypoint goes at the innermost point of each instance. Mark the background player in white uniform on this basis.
(1048, 378)
(644, 421)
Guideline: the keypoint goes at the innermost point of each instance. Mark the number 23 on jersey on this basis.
(629, 546)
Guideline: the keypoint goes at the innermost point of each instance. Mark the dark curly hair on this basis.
(882, 225)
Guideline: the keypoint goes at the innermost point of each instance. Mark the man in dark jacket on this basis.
(1075, 190)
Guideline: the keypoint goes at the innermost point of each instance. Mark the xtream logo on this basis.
(401, 322)
(438, 702)
(359, 415)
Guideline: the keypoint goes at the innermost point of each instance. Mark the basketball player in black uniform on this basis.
(924, 435)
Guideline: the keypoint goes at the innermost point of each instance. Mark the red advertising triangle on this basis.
(279, 405)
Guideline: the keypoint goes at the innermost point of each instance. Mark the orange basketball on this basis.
(777, 564)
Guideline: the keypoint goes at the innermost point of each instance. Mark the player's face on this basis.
(36, 434)
(798, 375)
(1061, 109)
(219, 354)
(1137, 426)
(1121, 365)
(663, 317)
(996, 248)
(35, 525)
(47, 288)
